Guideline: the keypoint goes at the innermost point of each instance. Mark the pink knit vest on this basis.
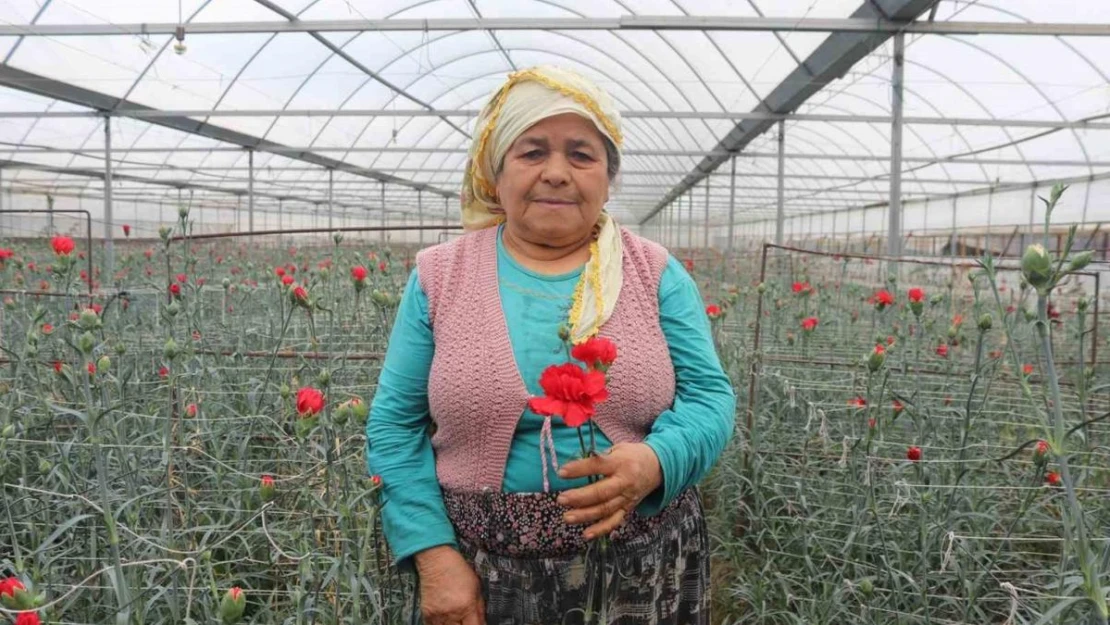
(475, 391)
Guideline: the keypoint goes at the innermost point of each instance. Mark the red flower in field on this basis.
(570, 393)
(597, 352)
(957, 320)
(382, 267)
(801, 288)
(57, 366)
(31, 265)
(175, 289)
(359, 273)
(995, 354)
(376, 480)
(1040, 451)
(1011, 308)
(713, 311)
(148, 253)
(916, 295)
(1027, 369)
(809, 324)
(879, 349)
(126, 230)
(27, 618)
(1052, 478)
(163, 372)
(309, 401)
(6, 253)
(84, 275)
(279, 271)
(182, 278)
(897, 405)
(9, 585)
(947, 401)
(191, 410)
(857, 402)
(942, 350)
(913, 454)
(47, 329)
(689, 264)
(290, 268)
(300, 295)
(883, 299)
(287, 279)
(871, 423)
(62, 245)
(91, 368)
(268, 480)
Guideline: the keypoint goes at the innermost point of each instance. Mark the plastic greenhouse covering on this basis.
(235, 115)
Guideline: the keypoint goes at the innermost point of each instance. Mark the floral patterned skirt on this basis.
(536, 569)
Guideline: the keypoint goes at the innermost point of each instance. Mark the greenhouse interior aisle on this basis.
(895, 213)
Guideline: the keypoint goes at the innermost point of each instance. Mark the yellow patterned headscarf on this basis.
(527, 97)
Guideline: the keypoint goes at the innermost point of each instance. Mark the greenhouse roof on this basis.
(997, 94)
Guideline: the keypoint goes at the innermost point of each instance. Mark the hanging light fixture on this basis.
(179, 33)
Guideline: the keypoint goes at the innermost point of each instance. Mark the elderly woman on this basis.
(502, 515)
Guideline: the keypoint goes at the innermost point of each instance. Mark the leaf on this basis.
(1056, 610)
(75, 413)
(61, 529)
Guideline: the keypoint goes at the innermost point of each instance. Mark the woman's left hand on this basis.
(631, 472)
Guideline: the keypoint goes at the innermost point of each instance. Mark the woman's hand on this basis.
(450, 593)
(631, 472)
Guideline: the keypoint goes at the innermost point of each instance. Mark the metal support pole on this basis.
(331, 188)
(690, 218)
(894, 220)
(381, 233)
(420, 213)
(446, 215)
(780, 211)
(281, 205)
(705, 237)
(109, 249)
(952, 235)
(731, 204)
(250, 190)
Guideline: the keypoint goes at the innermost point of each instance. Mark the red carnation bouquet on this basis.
(572, 393)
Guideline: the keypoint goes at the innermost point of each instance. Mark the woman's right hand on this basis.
(450, 592)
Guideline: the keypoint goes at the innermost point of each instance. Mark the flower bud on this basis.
(761, 288)
(876, 359)
(867, 587)
(183, 211)
(88, 319)
(232, 606)
(564, 333)
(173, 308)
(121, 349)
(359, 410)
(8, 431)
(337, 237)
(285, 391)
(341, 413)
(226, 284)
(1081, 304)
(103, 364)
(985, 322)
(170, 351)
(267, 489)
(86, 342)
(323, 378)
(1081, 260)
(1036, 266)
(45, 466)
(164, 233)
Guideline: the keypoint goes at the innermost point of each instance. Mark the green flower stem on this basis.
(273, 359)
(1087, 559)
(975, 377)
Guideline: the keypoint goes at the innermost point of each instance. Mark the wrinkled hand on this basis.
(450, 593)
(631, 472)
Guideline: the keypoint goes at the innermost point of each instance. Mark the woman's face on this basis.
(554, 181)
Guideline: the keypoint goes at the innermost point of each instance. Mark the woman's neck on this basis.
(547, 259)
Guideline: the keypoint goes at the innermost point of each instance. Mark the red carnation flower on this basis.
(6, 253)
(898, 407)
(858, 402)
(597, 352)
(570, 393)
(9, 585)
(279, 271)
(57, 366)
(182, 278)
(713, 311)
(163, 372)
(809, 324)
(27, 618)
(1052, 478)
(382, 267)
(287, 280)
(300, 294)
(175, 289)
(191, 410)
(1027, 369)
(1040, 450)
(47, 329)
(883, 299)
(376, 480)
(62, 245)
(309, 401)
(359, 273)
(126, 230)
(916, 295)
(92, 368)
(913, 454)
(942, 350)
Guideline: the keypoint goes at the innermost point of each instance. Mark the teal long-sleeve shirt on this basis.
(687, 438)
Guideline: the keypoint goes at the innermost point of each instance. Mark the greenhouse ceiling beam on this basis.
(58, 90)
(896, 20)
(285, 151)
(117, 177)
(829, 61)
(1091, 124)
(1001, 188)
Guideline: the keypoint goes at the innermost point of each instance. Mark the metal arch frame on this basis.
(851, 25)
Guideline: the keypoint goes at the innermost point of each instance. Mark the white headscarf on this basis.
(526, 98)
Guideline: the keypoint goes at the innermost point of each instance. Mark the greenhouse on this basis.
(893, 214)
